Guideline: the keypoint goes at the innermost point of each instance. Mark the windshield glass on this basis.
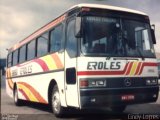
(116, 37)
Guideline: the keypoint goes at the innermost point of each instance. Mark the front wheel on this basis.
(57, 109)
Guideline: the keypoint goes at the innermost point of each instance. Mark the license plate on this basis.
(127, 97)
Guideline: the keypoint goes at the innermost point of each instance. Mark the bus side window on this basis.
(9, 60)
(31, 50)
(42, 46)
(71, 44)
(22, 54)
(56, 38)
(15, 57)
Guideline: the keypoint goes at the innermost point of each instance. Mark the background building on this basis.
(2, 71)
(2, 66)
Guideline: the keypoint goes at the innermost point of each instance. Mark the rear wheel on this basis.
(118, 109)
(17, 101)
(57, 109)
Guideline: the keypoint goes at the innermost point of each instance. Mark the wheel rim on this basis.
(56, 102)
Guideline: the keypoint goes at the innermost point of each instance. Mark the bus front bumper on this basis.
(100, 98)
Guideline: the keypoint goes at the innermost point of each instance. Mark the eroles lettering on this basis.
(103, 65)
(14, 73)
(26, 70)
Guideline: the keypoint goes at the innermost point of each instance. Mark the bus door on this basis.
(71, 65)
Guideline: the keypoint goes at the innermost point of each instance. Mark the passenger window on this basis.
(31, 50)
(56, 38)
(15, 57)
(42, 45)
(9, 62)
(22, 54)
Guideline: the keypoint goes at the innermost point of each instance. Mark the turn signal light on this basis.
(83, 83)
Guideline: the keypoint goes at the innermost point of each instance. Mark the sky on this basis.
(20, 18)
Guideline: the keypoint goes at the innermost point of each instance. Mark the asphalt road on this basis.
(41, 112)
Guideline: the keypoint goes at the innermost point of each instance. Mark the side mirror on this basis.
(153, 36)
(78, 27)
(153, 27)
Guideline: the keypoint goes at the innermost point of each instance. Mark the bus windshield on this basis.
(107, 36)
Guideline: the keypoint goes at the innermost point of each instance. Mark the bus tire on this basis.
(118, 109)
(17, 101)
(57, 109)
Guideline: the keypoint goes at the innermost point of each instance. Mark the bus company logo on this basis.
(127, 82)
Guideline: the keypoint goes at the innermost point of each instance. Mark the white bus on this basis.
(92, 56)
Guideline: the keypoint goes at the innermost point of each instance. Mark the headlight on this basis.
(101, 83)
(97, 83)
(151, 82)
(92, 83)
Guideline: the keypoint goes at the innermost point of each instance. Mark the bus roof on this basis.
(62, 17)
(108, 7)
